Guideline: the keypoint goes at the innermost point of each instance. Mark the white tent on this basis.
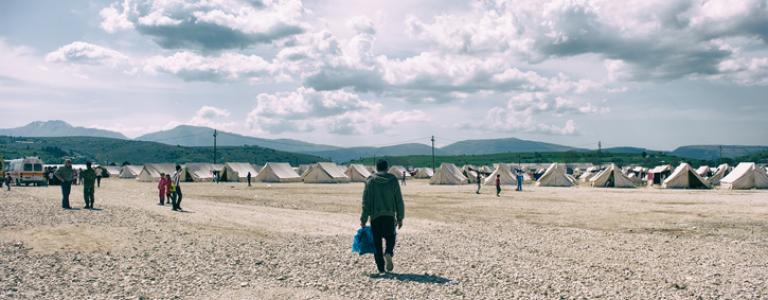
(555, 176)
(703, 171)
(589, 173)
(659, 173)
(611, 177)
(745, 176)
(278, 172)
(398, 172)
(112, 170)
(448, 174)
(506, 178)
(130, 171)
(424, 173)
(357, 173)
(325, 172)
(151, 172)
(684, 177)
(238, 171)
(199, 172)
(720, 173)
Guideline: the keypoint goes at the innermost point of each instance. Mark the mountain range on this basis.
(195, 136)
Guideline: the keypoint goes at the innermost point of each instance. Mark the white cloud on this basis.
(86, 53)
(194, 67)
(207, 25)
(211, 116)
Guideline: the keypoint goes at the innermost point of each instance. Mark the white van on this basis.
(27, 171)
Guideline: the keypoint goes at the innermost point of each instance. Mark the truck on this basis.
(26, 171)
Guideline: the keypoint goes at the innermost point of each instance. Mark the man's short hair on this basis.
(382, 165)
(178, 167)
(88, 163)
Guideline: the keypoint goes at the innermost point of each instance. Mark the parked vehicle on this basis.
(27, 171)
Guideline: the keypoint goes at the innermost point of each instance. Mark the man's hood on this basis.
(383, 177)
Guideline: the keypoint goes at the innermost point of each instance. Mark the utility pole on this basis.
(215, 134)
(599, 146)
(433, 153)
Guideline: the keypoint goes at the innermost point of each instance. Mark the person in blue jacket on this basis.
(383, 205)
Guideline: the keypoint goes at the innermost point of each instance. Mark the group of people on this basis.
(518, 177)
(170, 189)
(66, 176)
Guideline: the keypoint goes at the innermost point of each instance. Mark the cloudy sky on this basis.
(649, 73)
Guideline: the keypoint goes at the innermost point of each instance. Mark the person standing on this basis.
(249, 178)
(99, 172)
(403, 177)
(176, 182)
(519, 181)
(498, 185)
(65, 175)
(89, 184)
(170, 189)
(161, 188)
(8, 180)
(383, 206)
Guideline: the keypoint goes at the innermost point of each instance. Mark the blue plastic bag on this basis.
(363, 242)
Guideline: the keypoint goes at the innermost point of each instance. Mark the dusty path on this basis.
(292, 241)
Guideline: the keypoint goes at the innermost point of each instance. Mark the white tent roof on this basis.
(238, 171)
(199, 171)
(661, 169)
(745, 176)
(702, 170)
(151, 172)
(424, 173)
(611, 177)
(112, 170)
(398, 171)
(325, 172)
(278, 172)
(555, 176)
(684, 177)
(506, 178)
(357, 173)
(130, 171)
(448, 174)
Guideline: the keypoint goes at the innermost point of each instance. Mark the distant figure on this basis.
(176, 182)
(498, 185)
(383, 205)
(403, 177)
(75, 176)
(99, 172)
(519, 181)
(7, 180)
(161, 188)
(170, 189)
(249, 178)
(89, 184)
(65, 175)
(479, 182)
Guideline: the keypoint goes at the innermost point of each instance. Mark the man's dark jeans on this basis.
(66, 188)
(383, 227)
(177, 200)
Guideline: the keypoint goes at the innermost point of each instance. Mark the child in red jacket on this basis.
(162, 186)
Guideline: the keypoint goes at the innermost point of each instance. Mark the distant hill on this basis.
(57, 128)
(347, 154)
(107, 150)
(634, 150)
(195, 136)
(508, 145)
(712, 152)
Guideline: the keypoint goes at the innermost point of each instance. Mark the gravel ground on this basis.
(292, 241)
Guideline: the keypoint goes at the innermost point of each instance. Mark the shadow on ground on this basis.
(418, 278)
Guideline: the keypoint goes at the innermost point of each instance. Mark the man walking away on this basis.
(176, 180)
(479, 181)
(498, 185)
(89, 184)
(383, 205)
(249, 178)
(65, 176)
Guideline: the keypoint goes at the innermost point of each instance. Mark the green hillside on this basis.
(647, 160)
(107, 150)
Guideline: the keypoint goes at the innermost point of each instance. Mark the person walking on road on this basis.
(89, 184)
(498, 185)
(383, 206)
(99, 172)
(249, 178)
(178, 194)
(479, 181)
(403, 177)
(65, 175)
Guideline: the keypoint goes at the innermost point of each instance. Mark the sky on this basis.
(656, 74)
